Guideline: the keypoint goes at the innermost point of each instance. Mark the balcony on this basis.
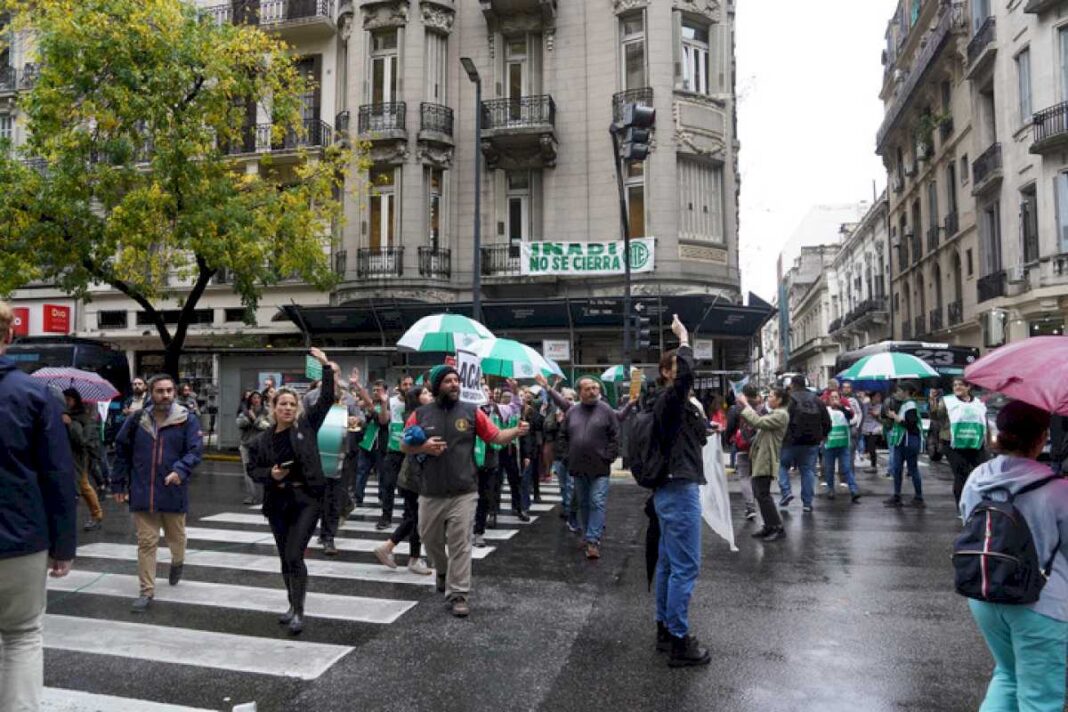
(376, 264)
(1037, 7)
(982, 48)
(500, 261)
(1050, 128)
(991, 286)
(435, 122)
(519, 134)
(932, 237)
(641, 97)
(435, 263)
(834, 325)
(935, 320)
(383, 121)
(342, 121)
(314, 134)
(295, 20)
(945, 129)
(897, 182)
(9, 80)
(919, 326)
(873, 309)
(952, 224)
(956, 312)
(986, 170)
(505, 13)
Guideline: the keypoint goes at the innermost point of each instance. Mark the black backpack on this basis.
(806, 425)
(994, 558)
(647, 463)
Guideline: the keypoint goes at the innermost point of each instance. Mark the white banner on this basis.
(584, 259)
(469, 367)
(556, 350)
(715, 497)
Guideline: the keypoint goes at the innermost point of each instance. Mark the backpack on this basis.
(994, 558)
(744, 436)
(805, 423)
(647, 463)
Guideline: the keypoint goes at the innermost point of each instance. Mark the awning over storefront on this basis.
(708, 315)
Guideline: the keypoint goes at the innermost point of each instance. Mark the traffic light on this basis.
(643, 332)
(636, 131)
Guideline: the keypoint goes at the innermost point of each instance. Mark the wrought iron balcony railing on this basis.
(935, 320)
(277, 12)
(919, 327)
(522, 113)
(436, 118)
(952, 224)
(435, 262)
(932, 237)
(374, 118)
(500, 260)
(955, 312)
(987, 164)
(314, 133)
(991, 286)
(984, 37)
(641, 97)
(1050, 125)
(387, 262)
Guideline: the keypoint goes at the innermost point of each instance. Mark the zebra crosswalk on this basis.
(217, 626)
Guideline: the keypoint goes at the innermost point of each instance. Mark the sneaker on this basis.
(329, 549)
(593, 551)
(856, 499)
(460, 609)
(894, 501)
(141, 604)
(785, 500)
(175, 574)
(492, 524)
(807, 509)
(764, 531)
(663, 638)
(92, 525)
(385, 555)
(843, 486)
(439, 583)
(572, 527)
(687, 652)
(750, 513)
(479, 541)
(523, 517)
(775, 534)
(381, 525)
(537, 499)
(248, 500)
(418, 567)
(918, 502)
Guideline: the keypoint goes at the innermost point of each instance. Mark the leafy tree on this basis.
(133, 125)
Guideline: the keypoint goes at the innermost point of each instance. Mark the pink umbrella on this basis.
(1034, 371)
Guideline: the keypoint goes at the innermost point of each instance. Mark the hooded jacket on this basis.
(1046, 511)
(38, 499)
(680, 424)
(145, 453)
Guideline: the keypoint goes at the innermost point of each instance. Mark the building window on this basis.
(435, 179)
(516, 72)
(383, 213)
(632, 28)
(1063, 37)
(951, 188)
(384, 66)
(1023, 78)
(700, 200)
(964, 169)
(437, 59)
(971, 263)
(990, 239)
(980, 11)
(518, 201)
(235, 315)
(1060, 193)
(111, 320)
(1029, 223)
(694, 57)
(635, 191)
(932, 204)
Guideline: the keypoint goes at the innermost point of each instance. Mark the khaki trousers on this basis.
(447, 521)
(22, 608)
(148, 526)
(89, 495)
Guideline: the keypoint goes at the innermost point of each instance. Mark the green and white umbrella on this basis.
(443, 333)
(887, 367)
(510, 359)
(617, 374)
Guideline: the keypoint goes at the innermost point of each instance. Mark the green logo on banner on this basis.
(639, 255)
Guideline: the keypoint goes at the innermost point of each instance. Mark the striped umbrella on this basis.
(887, 367)
(617, 374)
(92, 387)
(443, 333)
(510, 359)
(555, 369)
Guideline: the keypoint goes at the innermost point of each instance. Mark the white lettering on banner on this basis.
(469, 366)
(584, 259)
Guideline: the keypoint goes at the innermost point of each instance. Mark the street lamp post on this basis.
(476, 277)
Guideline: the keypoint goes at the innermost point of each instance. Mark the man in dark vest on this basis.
(450, 481)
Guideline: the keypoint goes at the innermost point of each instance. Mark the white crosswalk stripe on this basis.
(376, 512)
(352, 526)
(55, 699)
(370, 501)
(237, 536)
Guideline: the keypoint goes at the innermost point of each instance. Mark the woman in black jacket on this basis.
(285, 459)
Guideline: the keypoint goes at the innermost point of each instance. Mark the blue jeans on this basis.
(529, 473)
(567, 491)
(592, 494)
(1029, 658)
(907, 453)
(804, 458)
(366, 460)
(678, 507)
(844, 457)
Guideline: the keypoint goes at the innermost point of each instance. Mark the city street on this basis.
(854, 610)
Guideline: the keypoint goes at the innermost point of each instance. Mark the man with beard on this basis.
(450, 481)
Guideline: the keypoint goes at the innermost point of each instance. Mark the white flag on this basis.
(715, 498)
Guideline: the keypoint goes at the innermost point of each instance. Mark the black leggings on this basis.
(768, 511)
(489, 485)
(962, 462)
(409, 526)
(293, 513)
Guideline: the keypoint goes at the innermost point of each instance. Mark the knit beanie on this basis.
(437, 375)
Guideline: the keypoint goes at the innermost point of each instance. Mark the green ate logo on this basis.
(639, 255)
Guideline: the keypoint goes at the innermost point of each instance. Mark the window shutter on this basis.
(676, 46)
(721, 59)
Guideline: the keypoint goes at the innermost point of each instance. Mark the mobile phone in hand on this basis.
(285, 465)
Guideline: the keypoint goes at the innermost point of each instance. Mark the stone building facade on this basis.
(860, 315)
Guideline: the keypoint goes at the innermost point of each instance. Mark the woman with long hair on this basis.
(409, 490)
(252, 419)
(285, 460)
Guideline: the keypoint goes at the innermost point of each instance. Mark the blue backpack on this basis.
(994, 558)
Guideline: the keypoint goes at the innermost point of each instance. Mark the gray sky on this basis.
(809, 77)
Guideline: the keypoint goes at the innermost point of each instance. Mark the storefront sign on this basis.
(56, 319)
(469, 366)
(584, 259)
(556, 350)
(21, 325)
(704, 349)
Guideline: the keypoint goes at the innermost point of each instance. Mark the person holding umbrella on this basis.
(905, 441)
(82, 432)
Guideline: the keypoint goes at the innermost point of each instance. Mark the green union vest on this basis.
(967, 423)
(897, 432)
(370, 432)
(839, 435)
(396, 424)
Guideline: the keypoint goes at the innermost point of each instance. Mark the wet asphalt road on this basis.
(853, 611)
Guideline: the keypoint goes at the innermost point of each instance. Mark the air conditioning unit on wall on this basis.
(1016, 274)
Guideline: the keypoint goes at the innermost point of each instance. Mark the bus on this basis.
(34, 352)
(949, 361)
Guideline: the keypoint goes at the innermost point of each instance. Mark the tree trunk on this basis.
(171, 358)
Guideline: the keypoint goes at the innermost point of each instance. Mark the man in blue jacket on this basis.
(156, 453)
(38, 510)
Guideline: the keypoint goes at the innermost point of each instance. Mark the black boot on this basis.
(687, 652)
(764, 531)
(299, 586)
(288, 615)
(663, 638)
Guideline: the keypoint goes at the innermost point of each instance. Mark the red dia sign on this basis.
(55, 319)
(21, 325)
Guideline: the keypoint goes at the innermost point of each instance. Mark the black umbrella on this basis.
(652, 541)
